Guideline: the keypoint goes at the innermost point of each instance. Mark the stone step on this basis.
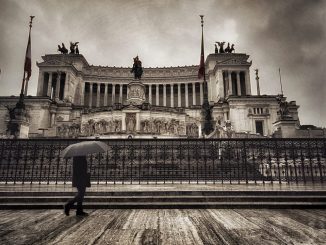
(162, 199)
(256, 193)
(150, 205)
(115, 198)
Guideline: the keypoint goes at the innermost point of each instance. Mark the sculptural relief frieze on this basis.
(192, 130)
(163, 126)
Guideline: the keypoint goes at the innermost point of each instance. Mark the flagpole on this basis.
(22, 92)
(207, 128)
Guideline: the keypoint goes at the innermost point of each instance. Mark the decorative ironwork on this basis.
(144, 161)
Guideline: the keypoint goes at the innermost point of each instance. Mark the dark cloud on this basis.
(282, 33)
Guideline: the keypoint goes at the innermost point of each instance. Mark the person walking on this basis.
(80, 180)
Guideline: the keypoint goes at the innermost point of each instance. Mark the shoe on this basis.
(81, 213)
(66, 209)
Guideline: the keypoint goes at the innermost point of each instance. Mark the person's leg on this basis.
(71, 202)
(79, 200)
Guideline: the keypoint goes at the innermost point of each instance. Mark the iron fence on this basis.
(144, 161)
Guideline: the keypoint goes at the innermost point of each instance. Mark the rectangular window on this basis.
(259, 127)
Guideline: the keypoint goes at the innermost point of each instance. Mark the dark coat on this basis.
(80, 177)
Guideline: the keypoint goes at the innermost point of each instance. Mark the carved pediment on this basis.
(234, 62)
(53, 62)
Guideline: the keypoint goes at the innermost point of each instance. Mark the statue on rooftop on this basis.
(227, 50)
(232, 48)
(63, 49)
(73, 48)
(221, 45)
(137, 68)
(216, 49)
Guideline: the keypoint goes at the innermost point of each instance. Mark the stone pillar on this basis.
(230, 83)
(57, 87)
(113, 94)
(179, 95)
(137, 122)
(150, 93)
(105, 94)
(52, 119)
(49, 85)
(90, 98)
(200, 133)
(164, 94)
(82, 99)
(98, 95)
(123, 126)
(186, 95)
(40, 84)
(201, 93)
(120, 93)
(172, 97)
(225, 114)
(248, 86)
(157, 94)
(193, 94)
(66, 88)
(238, 83)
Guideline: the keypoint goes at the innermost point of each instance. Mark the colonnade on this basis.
(171, 94)
(52, 84)
(236, 83)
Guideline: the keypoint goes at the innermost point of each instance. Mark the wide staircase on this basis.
(154, 196)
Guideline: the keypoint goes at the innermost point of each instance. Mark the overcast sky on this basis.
(290, 34)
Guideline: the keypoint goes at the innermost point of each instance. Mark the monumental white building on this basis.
(75, 99)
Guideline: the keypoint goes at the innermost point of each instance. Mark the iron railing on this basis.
(144, 161)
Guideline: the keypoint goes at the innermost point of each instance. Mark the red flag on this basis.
(201, 71)
(28, 60)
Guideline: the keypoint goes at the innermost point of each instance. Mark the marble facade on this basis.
(76, 99)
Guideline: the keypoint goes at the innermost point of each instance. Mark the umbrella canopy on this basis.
(84, 148)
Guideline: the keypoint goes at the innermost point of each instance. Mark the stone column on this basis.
(200, 133)
(137, 122)
(49, 85)
(52, 119)
(230, 83)
(193, 94)
(225, 114)
(150, 93)
(172, 95)
(120, 94)
(201, 93)
(238, 83)
(105, 94)
(248, 86)
(179, 94)
(98, 95)
(40, 84)
(57, 87)
(164, 94)
(113, 94)
(82, 99)
(186, 95)
(66, 89)
(90, 100)
(157, 94)
(123, 126)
